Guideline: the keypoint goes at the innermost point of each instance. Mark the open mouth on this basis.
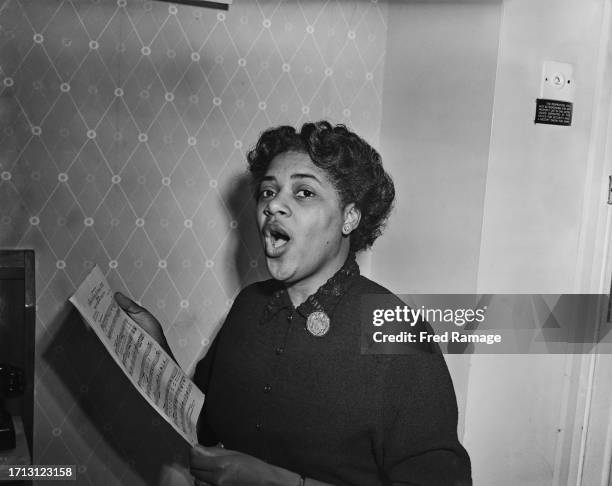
(279, 238)
(276, 239)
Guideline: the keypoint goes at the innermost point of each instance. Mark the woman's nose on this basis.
(277, 206)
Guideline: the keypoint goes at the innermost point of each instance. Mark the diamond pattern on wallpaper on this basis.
(92, 86)
(162, 296)
(138, 262)
(190, 182)
(66, 44)
(186, 263)
(123, 132)
(37, 96)
(114, 221)
(117, 135)
(62, 219)
(164, 221)
(89, 178)
(168, 137)
(63, 133)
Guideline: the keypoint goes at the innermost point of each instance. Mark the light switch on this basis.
(557, 81)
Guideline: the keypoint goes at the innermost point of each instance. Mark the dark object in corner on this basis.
(7, 432)
(11, 384)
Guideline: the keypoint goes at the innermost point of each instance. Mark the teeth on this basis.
(275, 238)
(278, 242)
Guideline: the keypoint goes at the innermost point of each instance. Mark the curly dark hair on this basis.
(354, 168)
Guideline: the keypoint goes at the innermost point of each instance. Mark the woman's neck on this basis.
(300, 291)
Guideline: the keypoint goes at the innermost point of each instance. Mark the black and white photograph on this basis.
(306, 242)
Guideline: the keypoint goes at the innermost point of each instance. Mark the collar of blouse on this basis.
(324, 299)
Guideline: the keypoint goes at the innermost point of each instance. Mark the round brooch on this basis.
(318, 323)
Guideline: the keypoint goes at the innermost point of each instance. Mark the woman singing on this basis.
(289, 394)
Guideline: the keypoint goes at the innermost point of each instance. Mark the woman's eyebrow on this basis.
(305, 176)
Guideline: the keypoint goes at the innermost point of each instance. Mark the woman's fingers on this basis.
(143, 318)
(209, 464)
(232, 468)
(127, 304)
(207, 458)
(205, 470)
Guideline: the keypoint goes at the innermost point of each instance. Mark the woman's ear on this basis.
(352, 216)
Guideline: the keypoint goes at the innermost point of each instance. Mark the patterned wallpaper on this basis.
(123, 130)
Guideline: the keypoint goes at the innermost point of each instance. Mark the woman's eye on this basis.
(266, 193)
(304, 193)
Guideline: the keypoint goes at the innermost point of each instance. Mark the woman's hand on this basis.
(144, 319)
(221, 467)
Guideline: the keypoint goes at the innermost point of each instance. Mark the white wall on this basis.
(530, 242)
(438, 97)
(437, 102)
(491, 202)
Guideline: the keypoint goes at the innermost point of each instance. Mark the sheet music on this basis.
(150, 369)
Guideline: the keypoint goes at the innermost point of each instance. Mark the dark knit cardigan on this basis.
(316, 405)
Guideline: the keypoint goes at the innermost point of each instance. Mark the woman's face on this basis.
(300, 220)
